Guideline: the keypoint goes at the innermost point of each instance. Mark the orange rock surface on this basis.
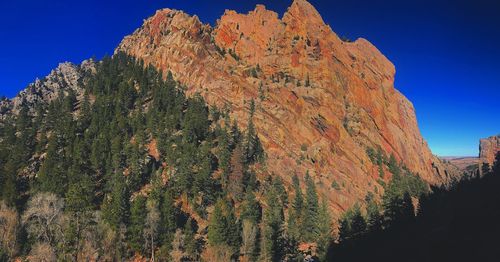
(320, 101)
(488, 149)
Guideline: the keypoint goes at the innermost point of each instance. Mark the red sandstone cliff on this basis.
(321, 102)
(488, 149)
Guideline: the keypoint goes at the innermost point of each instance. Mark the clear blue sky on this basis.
(447, 52)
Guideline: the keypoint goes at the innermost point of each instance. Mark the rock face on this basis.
(65, 77)
(320, 101)
(488, 149)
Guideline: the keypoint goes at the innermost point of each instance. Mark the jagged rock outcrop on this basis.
(65, 77)
(321, 102)
(488, 149)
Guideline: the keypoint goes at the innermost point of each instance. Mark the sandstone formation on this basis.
(321, 102)
(488, 149)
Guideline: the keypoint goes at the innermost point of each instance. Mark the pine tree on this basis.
(358, 224)
(217, 225)
(233, 231)
(224, 157)
(223, 228)
(310, 220)
(393, 166)
(374, 217)
(52, 177)
(280, 189)
(250, 209)
(115, 207)
(295, 212)
(272, 235)
(168, 219)
(407, 209)
(253, 147)
(352, 224)
(325, 237)
(190, 240)
(137, 223)
(196, 123)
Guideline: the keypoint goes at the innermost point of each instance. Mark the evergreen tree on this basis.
(190, 240)
(250, 209)
(311, 212)
(168, 219)
(280, 189)
(325, 236)
(223, 227)
(407, 209)
(253, 147)
(393, 166)
(352, 224)
(196, 123)
(52, 176)
(295, 212)
(374, 217)
(137, 223)
(217, 225)
(272, 235)
(225, 158)
(115, 207)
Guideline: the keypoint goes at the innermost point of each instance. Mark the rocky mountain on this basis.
(321, 103)
(488, 148)
(65, 77)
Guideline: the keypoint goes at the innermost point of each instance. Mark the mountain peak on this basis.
(322, 102)
(302, 11)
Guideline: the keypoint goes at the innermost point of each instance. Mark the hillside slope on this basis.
(321, 102)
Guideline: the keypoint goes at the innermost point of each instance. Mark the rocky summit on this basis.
(322, 103)
(66, 77)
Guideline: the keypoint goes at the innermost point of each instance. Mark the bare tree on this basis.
(9, 229)
(151, 229)
(177, 254)
(43, 218)
(42, 252)
(236, 175)
(220, 253)
(249, 240)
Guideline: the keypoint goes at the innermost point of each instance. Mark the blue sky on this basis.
(446, 52)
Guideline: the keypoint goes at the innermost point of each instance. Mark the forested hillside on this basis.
(137, 169)
(132, 169)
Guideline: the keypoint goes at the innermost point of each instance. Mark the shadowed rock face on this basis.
(488, 148)
(321, 102)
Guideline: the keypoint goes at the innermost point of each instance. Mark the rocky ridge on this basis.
(65, 77)
(321, 102)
